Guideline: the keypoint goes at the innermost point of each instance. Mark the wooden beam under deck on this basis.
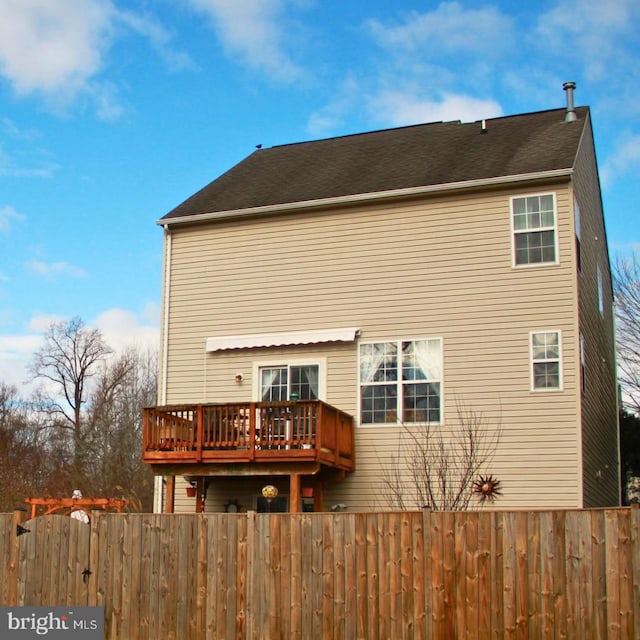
(202, 469)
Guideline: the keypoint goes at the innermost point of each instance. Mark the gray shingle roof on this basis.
(407, 157)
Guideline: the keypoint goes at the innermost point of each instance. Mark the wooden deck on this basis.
(253, 433)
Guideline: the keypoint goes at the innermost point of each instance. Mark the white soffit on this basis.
(223, 343)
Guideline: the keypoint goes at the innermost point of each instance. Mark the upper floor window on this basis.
(534, 229)
(281, 383)
(401, 381)
(600, 292)
(583, 368)
(578, 225)
(545, 360)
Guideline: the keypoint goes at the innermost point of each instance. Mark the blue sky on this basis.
(113, 112)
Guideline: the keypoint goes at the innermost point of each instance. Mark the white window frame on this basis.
(532, 362)
(600, 285)
(321, 363)
(578, 230)
(553, 228)
(399, 381)
(583, 366)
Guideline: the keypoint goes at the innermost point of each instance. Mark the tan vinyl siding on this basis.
(599, 413)
(438, 267)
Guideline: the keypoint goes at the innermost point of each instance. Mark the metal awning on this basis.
(222, 343)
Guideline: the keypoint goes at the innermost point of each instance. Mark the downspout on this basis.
(165, 314)
(158, 491)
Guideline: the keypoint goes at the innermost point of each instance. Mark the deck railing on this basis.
(302, 430)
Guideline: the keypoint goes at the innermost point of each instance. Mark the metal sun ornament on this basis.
(487, 488)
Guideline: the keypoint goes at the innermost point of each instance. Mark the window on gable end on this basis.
(577, 223)
(534, 230)
(546, 369)
(583, 369)
(600, 292)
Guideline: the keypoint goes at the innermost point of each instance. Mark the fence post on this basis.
(202, 602)
(19, 516)
(250, 616)
(635, 565)
(94, 578)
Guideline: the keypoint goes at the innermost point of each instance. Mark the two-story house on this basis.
(322, 299)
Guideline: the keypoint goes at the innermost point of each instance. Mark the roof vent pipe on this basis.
(571, 111)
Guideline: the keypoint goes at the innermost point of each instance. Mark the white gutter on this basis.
(365, 197)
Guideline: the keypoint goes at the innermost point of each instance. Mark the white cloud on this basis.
(121, 329)
(49, 269)
(589, 31)
(435, 65)
(9, 166)
(331, 116)
(16, 352)
(16, 132)
(151, 313)
(40, 323)
(254, 31)
(159, 38)
(402, 108)
(624, 159)
(108, 107)
(53, 47)
(447, 29)
(59, 49)
(7, 215)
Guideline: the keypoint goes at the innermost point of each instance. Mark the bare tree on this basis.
(436, 468)
(70, 356)
(121, 391)
(24, 463)
(626, 281)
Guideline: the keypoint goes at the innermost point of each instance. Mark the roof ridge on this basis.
(415, 126)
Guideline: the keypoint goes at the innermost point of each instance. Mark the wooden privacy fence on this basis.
(377, 576)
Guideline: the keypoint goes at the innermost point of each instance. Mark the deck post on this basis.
(318, 496)
(295, 494)
(200, 495)
(170, 494)
(199, 434)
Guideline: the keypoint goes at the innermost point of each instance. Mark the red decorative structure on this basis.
(51, 505)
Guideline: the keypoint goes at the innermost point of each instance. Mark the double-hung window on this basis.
(546, 370)
(401, 381)
(576, 217)
(280, 383)
(583, 366)
(600, 291)
(534, 230)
